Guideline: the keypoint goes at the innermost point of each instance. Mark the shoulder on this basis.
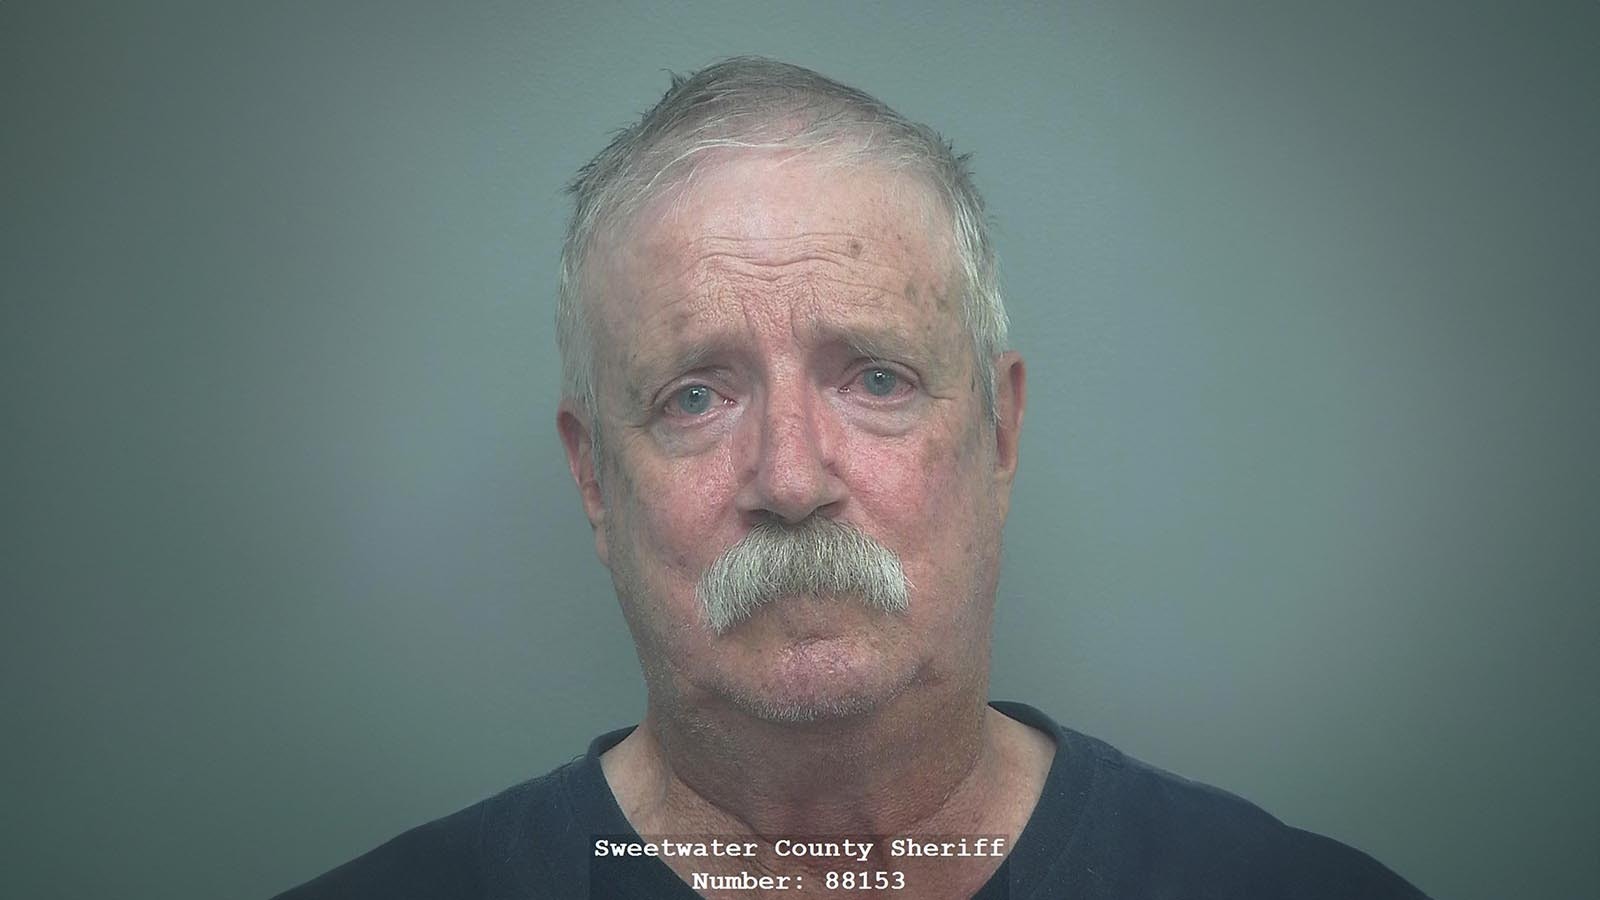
(466, 854)
(1130, 829)
(1208, 842)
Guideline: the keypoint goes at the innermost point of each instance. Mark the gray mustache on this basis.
(816, 557)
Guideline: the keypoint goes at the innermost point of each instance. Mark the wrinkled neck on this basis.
(920, 763)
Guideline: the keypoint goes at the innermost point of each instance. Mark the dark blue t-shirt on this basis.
(1106, 827)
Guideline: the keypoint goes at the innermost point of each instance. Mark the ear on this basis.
(578, 440)
(1011, 396)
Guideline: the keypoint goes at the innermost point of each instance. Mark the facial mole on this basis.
(855, 249)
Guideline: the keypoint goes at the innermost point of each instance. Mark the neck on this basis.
(923, 766)
(926, 762)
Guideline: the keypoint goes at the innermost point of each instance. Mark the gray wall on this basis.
(1308, 499)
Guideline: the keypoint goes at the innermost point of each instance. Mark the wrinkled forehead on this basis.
(775, 217)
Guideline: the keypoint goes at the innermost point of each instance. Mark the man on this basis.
(793, 420)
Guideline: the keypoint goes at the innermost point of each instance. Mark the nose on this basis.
(789, 463)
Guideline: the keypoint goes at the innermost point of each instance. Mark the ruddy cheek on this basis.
(681, 509)
(676, 534)
(897, 494)
(944, 482)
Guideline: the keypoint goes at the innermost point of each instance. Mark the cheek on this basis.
(926, 492)
(670, 513)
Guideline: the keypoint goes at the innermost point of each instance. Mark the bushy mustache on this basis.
(819, 556)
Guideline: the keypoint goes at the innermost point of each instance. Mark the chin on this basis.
(791, 711)
(816, 681)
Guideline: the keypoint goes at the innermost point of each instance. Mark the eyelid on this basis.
(908, 378)
(708, 377)
(867, 364)
(668, 397)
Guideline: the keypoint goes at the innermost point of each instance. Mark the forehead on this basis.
(771, 194)
(784, 228)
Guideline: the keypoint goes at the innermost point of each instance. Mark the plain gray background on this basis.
(1307, 505)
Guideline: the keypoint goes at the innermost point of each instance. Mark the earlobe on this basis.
(577, 440)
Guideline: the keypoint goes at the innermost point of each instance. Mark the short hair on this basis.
(751, 102)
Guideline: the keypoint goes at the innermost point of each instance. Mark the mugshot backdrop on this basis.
(1307, 505)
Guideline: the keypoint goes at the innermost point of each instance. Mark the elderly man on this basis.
(793, 420)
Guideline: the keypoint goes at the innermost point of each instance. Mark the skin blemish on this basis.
(855, 249)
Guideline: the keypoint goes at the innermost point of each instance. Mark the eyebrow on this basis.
(665, 360)
(878, 342)
(648, 369)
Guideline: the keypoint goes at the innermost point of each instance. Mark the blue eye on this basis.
(880, 382)
(694, 399)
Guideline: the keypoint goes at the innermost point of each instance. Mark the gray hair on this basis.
(750, 102)
(817, 558)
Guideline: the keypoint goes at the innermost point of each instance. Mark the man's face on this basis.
(779, 342)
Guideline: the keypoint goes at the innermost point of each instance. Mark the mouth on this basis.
(807, 618)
